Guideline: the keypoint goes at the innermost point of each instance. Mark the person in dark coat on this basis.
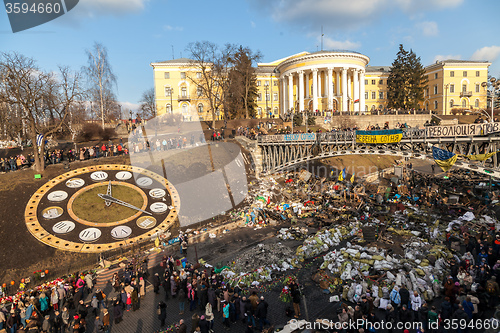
(182, 328)
(446, 309)
(261, 313)
(156, 283)
(405, 315)
(204, 325)
(163, 312)
(118, 312)
(391, 317)
(405, 295)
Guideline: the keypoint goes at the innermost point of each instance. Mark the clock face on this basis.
(101, 208)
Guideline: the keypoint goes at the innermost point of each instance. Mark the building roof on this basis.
(264, 69)
(383, 69)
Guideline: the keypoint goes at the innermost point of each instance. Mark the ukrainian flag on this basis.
(445, 159)
(341, 177)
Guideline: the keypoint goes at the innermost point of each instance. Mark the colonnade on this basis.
(348, 89)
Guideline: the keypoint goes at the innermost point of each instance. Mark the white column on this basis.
(283, 96)
(362, 91)
(315, 89)
(330, 89)
(344, 89)
(337, 82)
(319, 85)
(356, 89)
(301, 91)
(290, 91)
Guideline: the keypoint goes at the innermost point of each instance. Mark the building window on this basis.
(477, 88)
(427, 92)
(464, 103)
(268, 97)
(381, 95)
(259, 111)
(275, 83)
(452, 102)
(366, 82)
(435, 89)
(452, 74)
(168, 91)
(198, 75)
(477, 73)
(435, 75)
(366, 95)
(258, 83)
(275, 97)
(452, 88)
(381, 82)
(167, 75)
(476, 103)
(465, 74)
(183, 75)
(259, 97)
(184, 108)
(464, 87)
(435, 105)
(266, 83)
(374, 95)
(199, 91)
(200, 108)
(169, 108)
(184, 92)
(373, 82)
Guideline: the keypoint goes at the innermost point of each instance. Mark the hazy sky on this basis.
(138, 32)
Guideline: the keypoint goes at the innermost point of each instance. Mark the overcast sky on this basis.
(138, 32)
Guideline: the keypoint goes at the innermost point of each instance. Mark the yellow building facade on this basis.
(324, 81)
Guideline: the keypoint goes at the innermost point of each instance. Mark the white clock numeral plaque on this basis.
(121, 232)
(98, 175)
(63, 227)
(146, 222)
(89, 235)
(157, 193)
(57, 196)
(75, 183)
(52, 212)
(144, 181)
(158, 207)
(123, 175)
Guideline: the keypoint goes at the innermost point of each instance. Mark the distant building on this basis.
(324, 80)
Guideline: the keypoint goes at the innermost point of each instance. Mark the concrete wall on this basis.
(364, 121)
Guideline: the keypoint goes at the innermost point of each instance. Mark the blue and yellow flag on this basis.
(341, 177)
(344, 173)
(379, 136)
(445, 159)
(352, 178)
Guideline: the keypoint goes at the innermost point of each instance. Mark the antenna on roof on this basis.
(322, 34)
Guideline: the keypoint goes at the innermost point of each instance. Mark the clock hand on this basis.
(123, 203)
(108, 203)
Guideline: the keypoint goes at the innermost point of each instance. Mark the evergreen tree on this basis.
(407, 81)
(242, 92)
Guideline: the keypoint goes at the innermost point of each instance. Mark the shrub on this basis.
(107, 133)
(89, 131)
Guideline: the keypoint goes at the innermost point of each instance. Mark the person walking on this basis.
(296, 300)
(261, 313)
(225, 314)
(161, 310)
(117, 312)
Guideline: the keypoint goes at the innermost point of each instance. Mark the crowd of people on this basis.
(208, 297)
(56, 156)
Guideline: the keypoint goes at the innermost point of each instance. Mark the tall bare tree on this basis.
(101, 80)
(147, 108)
(208, 71)
(43, 98)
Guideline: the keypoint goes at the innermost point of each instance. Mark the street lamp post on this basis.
(171, 101)
(266, 88)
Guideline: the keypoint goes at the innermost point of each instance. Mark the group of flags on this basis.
(343, 175)
(445, 159)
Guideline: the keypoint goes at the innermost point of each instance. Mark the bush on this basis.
(107, 133)
(89, 131)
